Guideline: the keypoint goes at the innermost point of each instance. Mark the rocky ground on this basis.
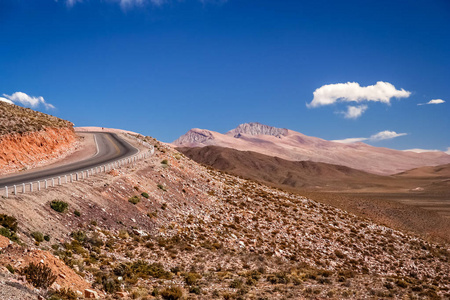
(169, 228)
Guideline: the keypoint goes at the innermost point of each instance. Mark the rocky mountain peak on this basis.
(194, 135)
(256, 128)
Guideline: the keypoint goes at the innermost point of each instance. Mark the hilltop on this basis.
(294, 146)
(29, 138)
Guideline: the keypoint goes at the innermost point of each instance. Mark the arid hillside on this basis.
(417, 200)
(170, 228)
(29, 138)
(295, 146)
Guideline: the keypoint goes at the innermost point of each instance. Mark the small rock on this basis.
(90, 294)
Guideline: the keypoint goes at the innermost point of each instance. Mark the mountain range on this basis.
(295, 146)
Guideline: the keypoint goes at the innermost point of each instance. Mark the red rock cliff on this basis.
(31, 149)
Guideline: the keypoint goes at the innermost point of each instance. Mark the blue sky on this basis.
(163, 67)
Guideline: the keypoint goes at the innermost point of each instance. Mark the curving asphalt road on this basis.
(110, 148)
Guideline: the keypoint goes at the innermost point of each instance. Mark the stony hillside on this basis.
(295, 146)
(15, 119)
(169, 228)
(29, 138)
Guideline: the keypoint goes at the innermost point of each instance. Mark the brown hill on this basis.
(295, 146)
(275, 170)
(407, 200)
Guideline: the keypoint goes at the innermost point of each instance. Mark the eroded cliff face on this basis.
(33, 149)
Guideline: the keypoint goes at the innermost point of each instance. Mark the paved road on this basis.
(110, 148)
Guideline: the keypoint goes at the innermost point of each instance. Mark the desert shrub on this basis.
(172, 293)
(164, 206)
(161, 187)
(39, 275)
(401, 283)
(79, 235)
(134, 200)
(140, 269)
(38, 236)
(59, 206)
(8, 222)
(9, 234)
(235, 284)
(164, 162)
(11, 269)
(109, 284)
(145, 195)
(195, 290)
(191, 278)
(47, 238)
(77, 213)
(280, 277)
(63, 294)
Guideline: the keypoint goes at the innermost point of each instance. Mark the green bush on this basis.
(164, 162)
(172, 293)
(77, 213)
(145, 195)
(79, 235)
(59, 206)
(8, 222)
(39, 275)
(47, 238)
(9, 234)
(38, 236)
(161, 187)
(134, 200)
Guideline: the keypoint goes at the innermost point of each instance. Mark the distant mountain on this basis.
(278, 171)
(295, 146)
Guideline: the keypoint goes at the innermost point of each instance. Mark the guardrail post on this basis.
(82, 174)
(65, 178)
(31, 187)
(6, 191)
(15, 190)
(23, 188)
(39, 185)
(76, 176)
(53, 182)
(46, 184)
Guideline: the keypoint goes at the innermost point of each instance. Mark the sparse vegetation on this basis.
(59, 206)
(134, 200)
(39, 275)
(38, 236)
(145, 195)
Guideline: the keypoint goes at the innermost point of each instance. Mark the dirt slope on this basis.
(416, 200)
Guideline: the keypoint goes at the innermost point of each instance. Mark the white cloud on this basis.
(6, 100)
(353, 92)
(417, 150)
(354, 112)
(448, 151)
(385, 135)
(350, 140)
(26, 100)
(380, 136)
(434, 101)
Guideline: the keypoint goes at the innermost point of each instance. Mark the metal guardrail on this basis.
(80, 175)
